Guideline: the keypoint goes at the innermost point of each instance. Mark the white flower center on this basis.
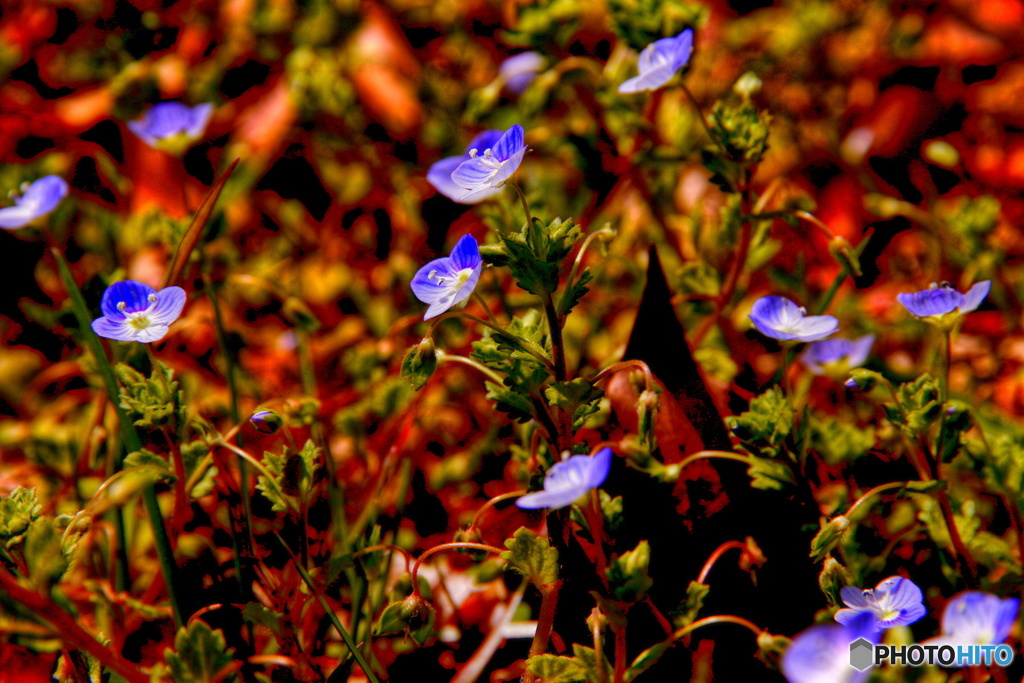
(460, 278)
(139, 321)
(487, 158)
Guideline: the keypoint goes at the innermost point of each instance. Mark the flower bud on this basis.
(832, 579)
(841, 252)
(419, 363)
(266, 421)
(863, 380)
(829, 536)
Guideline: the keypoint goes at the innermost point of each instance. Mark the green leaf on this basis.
(839, 442)
(44, 554)
(574, 291)
(577, 396)
(627, 574)
(828, 537)
(17, 511)
(589, 661)
(152, 401)
(532, 556)
(555, 669)
(696, 593)
(764, 427)
(769, 475)
(199, 655)
(646, 659)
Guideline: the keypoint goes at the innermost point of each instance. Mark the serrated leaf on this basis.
(17, 511)
(589, 661)
(574, 291)
(532, 556)
(769, 475)
(556, 669)
(516, 405)
(199, 656)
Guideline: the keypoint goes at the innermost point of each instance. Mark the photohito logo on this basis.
(863, 654)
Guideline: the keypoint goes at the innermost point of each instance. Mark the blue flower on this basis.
(519, 70)
(936, 304)
(893, 602)
(836, 356)
(821, 654)
(568, 481)
(976, 618)
(440, 174)
(133, 311)
(780, 318)
(37, 200)
(449, 280)
(172, 126)
(489, 168)
(659, 62)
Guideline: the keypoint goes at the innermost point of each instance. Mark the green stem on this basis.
(129, 437)
(522, 199)
(528, 346)
(443, 357)
(329, 611)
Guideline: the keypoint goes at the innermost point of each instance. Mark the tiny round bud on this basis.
(747, 85)
(266, 421)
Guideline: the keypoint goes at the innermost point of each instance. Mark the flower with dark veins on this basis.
(893, 602)
(133, 311)
(440, 173)
(942, 305)
(659, 62)
(779, 318)
(37, 200)
(569, 480)
(489, 168)
(448, 281)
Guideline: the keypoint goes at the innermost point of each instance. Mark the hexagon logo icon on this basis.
(861, 654)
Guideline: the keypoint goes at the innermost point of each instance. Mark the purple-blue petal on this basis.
(485, 140)
(519, 70)
(134, 294)
(547, 499)
(39, 199)
(973, 612)
(169, 302)
(510, 144)
(599, 467)
(473, 174)
(466, 253)
(974, 296)
(821, 654)
(167, 119)
(853, 597)
(648, 80)
(113, 329)
(427, 289)
(936, 301)
(440, 176)
(903, 593)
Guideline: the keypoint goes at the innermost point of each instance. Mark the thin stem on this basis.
(443, 357)
(329, 611)
(700, 115)
(447, 546)
(717, 619)
(490, 314)
(491, 503)
(605, 235)
(872, 493)
(627, 365)
(725, 455)
(522, 199)
(545, 618)
(946, 364)
(721, 550)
